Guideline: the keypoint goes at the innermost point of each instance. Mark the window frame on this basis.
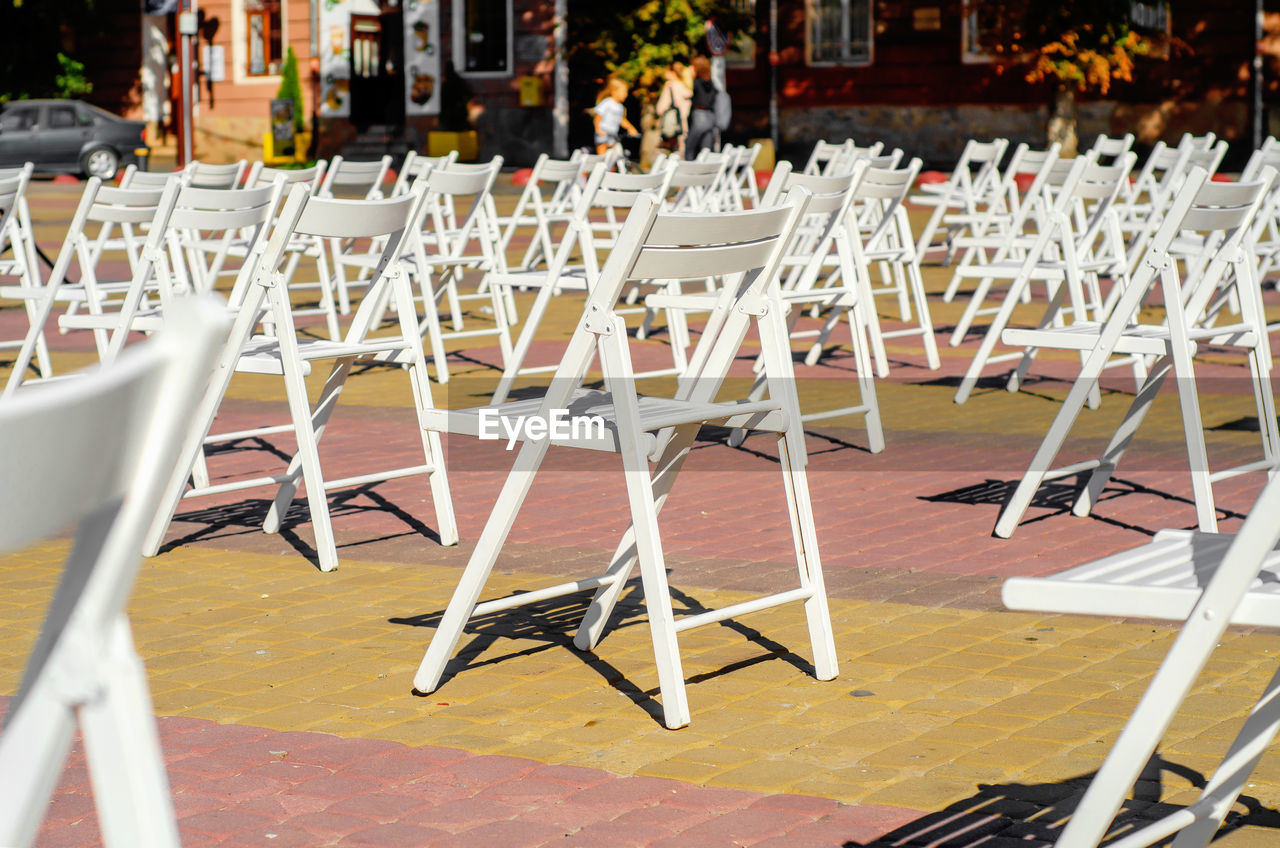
(269, 58)
(968, 21)
(836, 63)
(460, 43)
(238, 52)
(733, 57)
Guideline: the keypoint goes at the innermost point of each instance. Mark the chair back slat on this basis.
(328, 217)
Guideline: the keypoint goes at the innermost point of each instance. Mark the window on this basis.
(62, 117)
(262, 22)
(482, 37)
(839, 32)
(19, 119)
(970, 31)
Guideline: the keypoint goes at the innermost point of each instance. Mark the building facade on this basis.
(375, 68)
(912, 74)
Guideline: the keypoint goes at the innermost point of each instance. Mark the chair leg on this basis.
(34, 746)
(976, 299)
(1193, 431)
(522, 345)
(429, 328)
(471, 583)
(989, 341)
(122, 745)
(923, 317)
(1222, 789)
(1123, 435)
(866, 388)
(305, 464)
(1013, 511)
(595, 621)
(800, 510)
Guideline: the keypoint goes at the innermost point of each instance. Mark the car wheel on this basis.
(101, 162)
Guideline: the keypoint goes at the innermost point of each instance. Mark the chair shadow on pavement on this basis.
(1033, 815)
(552, 623)
(1059, 496)
(246, 517)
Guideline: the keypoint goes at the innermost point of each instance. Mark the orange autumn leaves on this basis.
(1094, 67)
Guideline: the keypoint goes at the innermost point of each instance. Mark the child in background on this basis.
(610, 116)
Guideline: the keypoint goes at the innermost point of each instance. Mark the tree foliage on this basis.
(42, 63)
(636, 40)
(1085, 45)
(291, 88)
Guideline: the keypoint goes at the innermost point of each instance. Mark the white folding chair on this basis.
(1004, 219)
(1074, 246)
(415, 166)
(1108, 151)
(290, 355)
(745, 247)
(103, 207)
(968, 190)
(605, 190)
(830, 209)
(825, 155)
(95, 453)
(347, 178)
(208, 175)
(546, 202)
(1208, 582)
(1226, 209)
(21, 265)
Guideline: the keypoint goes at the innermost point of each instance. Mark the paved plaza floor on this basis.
(285, 699)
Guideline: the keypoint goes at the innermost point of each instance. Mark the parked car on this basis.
(67, 136)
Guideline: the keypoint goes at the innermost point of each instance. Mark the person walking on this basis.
(702, 121)
(610, 115)
(674, 104)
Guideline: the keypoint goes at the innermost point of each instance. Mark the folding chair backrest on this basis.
(1198, 142)
(204, 175)
(134, 178)
(260, 175)
(96, 452)
(12, 190)
(355, 179)
(223, 213)
(823, 152)
(1110, 149)
(693, 183)
(415, 166)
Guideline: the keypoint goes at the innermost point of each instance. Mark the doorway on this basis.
(377, 68)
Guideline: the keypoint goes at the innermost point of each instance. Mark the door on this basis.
(18, 135)
(377, 56)
(63, 136)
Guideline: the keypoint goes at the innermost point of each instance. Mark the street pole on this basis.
(187, 28)
(773, 74)
(560, 82)
(314, 65)
(1257, 77)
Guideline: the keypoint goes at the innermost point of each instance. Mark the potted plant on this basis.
(453, 127)
(274, 151)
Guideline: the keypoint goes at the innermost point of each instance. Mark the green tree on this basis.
(41, 63)
(1080, 46)
(291, 88)
(637, 40)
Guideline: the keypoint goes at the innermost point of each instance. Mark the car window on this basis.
(84, 118)
(14, 120)
(62, 117)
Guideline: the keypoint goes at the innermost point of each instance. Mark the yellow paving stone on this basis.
(933, 674)
(941, 706)
(936, 793)
(1010, 754)
(767, 775)
(916, 755)
(852, 784)
(677, 768)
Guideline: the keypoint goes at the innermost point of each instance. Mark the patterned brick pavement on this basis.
(284, 694)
